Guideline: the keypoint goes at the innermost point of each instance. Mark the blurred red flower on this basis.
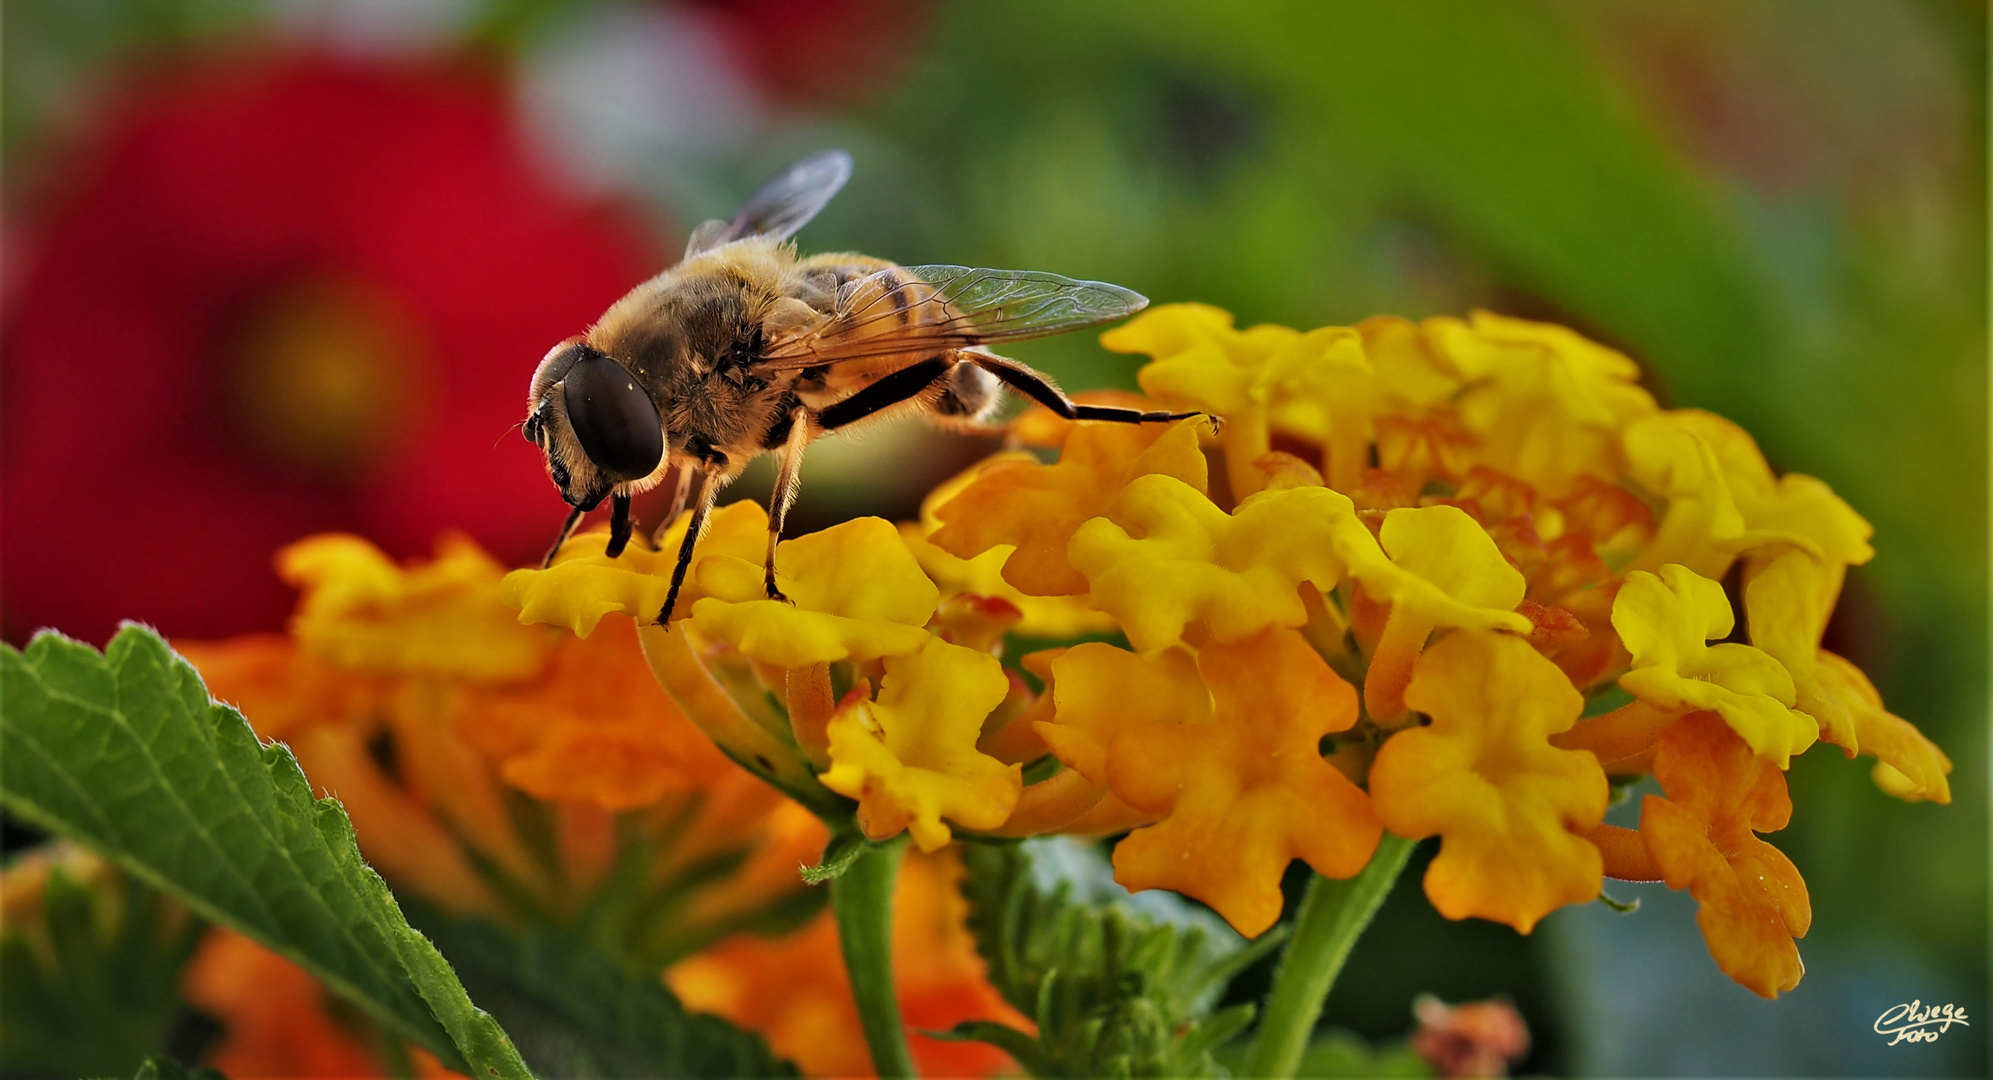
(826, 51)
(288, 296)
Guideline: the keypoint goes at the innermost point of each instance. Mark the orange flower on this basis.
(1511, 808)
(793, 991)
(597, 729)
(1752, 900)
(1239, 795)
(274, 1016)
(430, 749)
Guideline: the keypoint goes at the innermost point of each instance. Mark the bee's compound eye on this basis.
(613, 418)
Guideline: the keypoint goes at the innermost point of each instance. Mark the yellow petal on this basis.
(855, 592)
(910, 758)
(445, 617)
(1437, 569)
(1166, 557)
(1512, 809)
(1910, 766)
(1666, 621)
(1246, 792)
(1099, 691)
(1034, 509)
(1442, 565)
(1546, 403)
(1200, 361)
(583, 585)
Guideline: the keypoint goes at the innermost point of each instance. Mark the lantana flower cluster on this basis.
(536, 779)
(1452, 578)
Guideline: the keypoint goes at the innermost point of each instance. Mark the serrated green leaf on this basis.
(576, 1013)
(125, 753)
(1118, 985)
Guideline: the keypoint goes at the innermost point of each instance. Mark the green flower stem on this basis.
(862, 897)
(1333, 915)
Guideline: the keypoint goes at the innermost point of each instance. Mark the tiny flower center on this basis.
(327, 377)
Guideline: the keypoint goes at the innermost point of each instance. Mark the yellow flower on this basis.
(1166, 557)
(1034, 509)
(1412, 377)
(1788, 596)
(1909, 766)
(1201, 362)
(855, 592)
(1511, 808)
(1239, 794)
(361, 610)
(1666, 622)
(982, 575)
(1723, 499)
(584, 584)
(1438, 570)
(910, 758)
(1099, 691)
(1546, 403)
(1324, 389)
(1702, 836)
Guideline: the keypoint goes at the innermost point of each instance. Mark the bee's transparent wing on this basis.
(782, 206)
(904, 309)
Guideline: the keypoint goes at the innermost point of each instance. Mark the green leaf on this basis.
(576, 1013)
(89, 981)
(165, 1068)
(1624, 907)
(125, 753)
(1118, 984)
(838, 855)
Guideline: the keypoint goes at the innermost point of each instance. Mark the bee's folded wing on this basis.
(906, 309)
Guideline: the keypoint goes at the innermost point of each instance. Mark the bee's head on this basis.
(597, 425)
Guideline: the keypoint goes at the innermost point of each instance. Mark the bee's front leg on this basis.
(619, 524)
(787, 480)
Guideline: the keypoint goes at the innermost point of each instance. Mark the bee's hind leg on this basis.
(1040, 389)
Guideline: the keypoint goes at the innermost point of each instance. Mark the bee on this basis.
(745, 349)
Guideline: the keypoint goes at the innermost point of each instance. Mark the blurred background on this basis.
(274, 267)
